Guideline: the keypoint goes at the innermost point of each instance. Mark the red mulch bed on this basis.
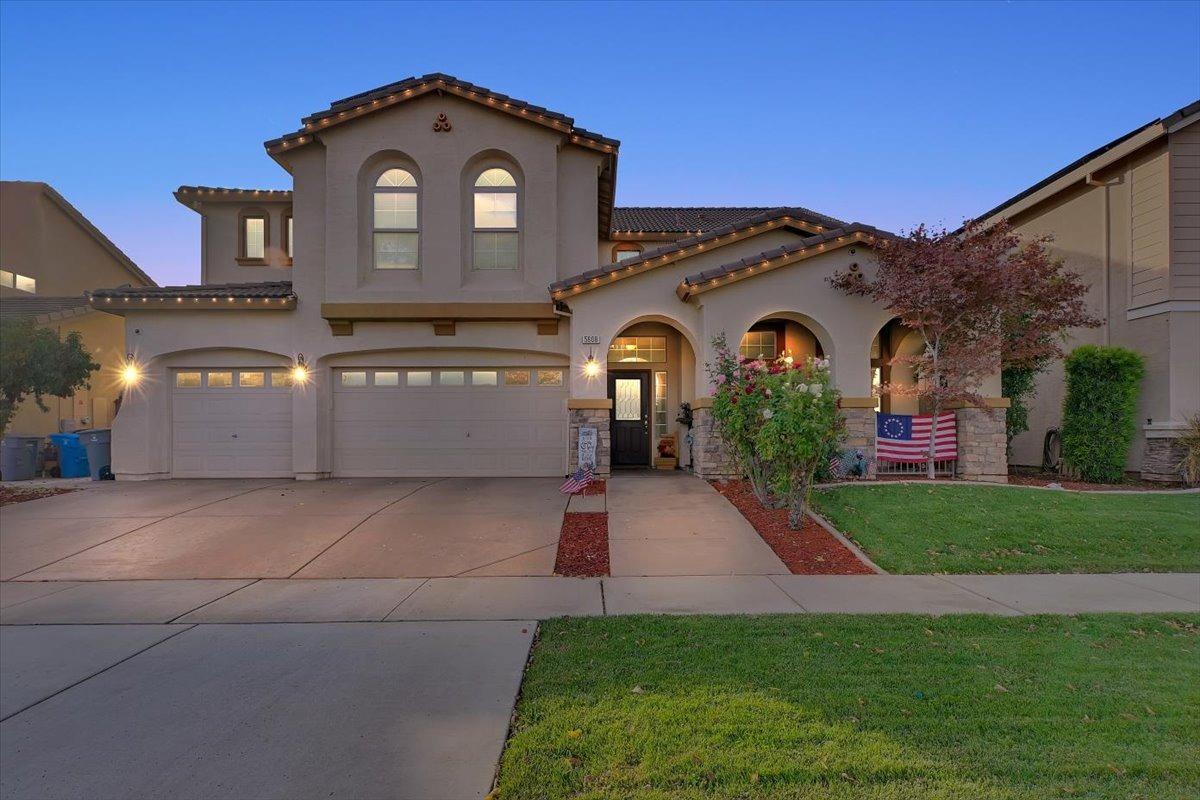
(597, 486)
(1131, 485)
(808, 551)
(583, 545)
(13, 494)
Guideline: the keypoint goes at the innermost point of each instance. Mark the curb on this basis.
(849, 545)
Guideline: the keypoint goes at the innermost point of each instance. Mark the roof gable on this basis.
(797, 219)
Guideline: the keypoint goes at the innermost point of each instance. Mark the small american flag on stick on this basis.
(577, 482)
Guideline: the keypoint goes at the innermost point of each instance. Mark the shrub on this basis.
(1099, 411)
(1017, 384)
(778, 418)
(1189, 467)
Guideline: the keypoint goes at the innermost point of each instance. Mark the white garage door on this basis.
(448, 422)
(231, 423)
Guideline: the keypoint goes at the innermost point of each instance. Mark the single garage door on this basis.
(448, 422)
(231, 423)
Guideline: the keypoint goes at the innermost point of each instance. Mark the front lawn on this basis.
(914, 528)
(880, 707)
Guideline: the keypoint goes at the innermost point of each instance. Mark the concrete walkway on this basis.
(529, 598)
(671, 523)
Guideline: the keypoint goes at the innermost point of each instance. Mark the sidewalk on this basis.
(520, 598)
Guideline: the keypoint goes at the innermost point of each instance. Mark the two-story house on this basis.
(51, 256)
(447, 289)
(1126, 217)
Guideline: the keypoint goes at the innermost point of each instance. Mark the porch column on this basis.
(982, 445)
(590, 413)
(711, 459)
(140, 430)
(859, 415)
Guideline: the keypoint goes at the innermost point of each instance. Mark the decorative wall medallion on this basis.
(441, 123)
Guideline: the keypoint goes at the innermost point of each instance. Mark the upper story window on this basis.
(252, 236)
(12, 280)
(495, 225)
(396, 224)
(288, 237)
(625, 251)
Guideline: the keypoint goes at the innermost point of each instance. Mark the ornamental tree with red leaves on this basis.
(980, 298)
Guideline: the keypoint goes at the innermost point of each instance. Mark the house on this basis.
(448, 289)
(1126, 217)
(50, 257)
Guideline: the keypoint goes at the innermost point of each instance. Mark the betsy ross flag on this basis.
(905, 439)
(577, 482)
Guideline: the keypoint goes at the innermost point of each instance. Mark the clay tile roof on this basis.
(785, 251)
(693, 219)
(269, 289)
(800, 216)
(43, 306)
(186, 194)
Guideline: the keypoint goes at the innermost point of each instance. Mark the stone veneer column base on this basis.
(590, 417)
(860, 434)
(982, 446)
(711, 459)
(1161, 457)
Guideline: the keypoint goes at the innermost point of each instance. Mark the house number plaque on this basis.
(590, 340)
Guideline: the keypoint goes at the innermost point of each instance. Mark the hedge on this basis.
(1103, 384)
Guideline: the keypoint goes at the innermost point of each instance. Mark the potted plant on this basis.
(667, 457)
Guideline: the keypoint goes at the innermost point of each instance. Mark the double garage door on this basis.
(451, 421)
(399, 422)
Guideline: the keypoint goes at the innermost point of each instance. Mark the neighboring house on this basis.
(455, 294)
(1126, 217)
(51, 256)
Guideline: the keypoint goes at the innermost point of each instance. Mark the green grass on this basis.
(880, 707)
(916, 529)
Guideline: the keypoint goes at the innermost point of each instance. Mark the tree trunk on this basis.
(798, 504)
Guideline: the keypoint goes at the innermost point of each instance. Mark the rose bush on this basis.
(779, 419)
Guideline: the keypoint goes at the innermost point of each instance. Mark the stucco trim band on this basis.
(857, 402)
(589, 403)
(479, 312)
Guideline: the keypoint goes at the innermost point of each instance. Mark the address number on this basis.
(590, 340)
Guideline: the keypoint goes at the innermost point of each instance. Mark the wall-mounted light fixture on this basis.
(591, 367)
(131, 373)
(300, 370)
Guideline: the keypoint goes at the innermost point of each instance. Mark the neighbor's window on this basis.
(495, 215)
(758, 344)
(187, 380)
(626, 251)
(516, 377)
(220, 380)
(252, 380)
(549, 377)
(354, 379)
(15, 281)
(253, 236)
(396, 222)
(660, 404)
(638, 348)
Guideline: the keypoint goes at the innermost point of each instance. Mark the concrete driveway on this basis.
(243, 529)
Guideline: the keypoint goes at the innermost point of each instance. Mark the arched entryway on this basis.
(650, 369)
(892, 342)
(784, 334)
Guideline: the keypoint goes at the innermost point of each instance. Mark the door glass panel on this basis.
(660, 404)
(629, 399)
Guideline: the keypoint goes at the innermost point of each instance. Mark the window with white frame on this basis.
(758, 344)
(396, 227)
(253, 236)
(495, 224)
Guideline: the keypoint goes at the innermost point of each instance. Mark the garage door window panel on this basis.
(220, 380)
(251, 380)
(516, 377)
(354, 379)
(187, 380)
(387, 378)
(450, 378)
(549, 377)
(420, 378)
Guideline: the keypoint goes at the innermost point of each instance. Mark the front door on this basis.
(630, 393)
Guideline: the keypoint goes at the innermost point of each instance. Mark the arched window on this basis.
(396, 228)
(495, 226)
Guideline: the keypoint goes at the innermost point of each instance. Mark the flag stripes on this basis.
(909, 443)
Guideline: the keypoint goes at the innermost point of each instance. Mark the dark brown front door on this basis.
(630, 393)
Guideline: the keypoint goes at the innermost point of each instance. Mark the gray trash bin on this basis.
(18, 457)
(98, 443)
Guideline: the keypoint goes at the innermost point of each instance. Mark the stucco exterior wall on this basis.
(219, 242)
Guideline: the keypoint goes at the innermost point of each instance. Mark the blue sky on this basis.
(890, 114)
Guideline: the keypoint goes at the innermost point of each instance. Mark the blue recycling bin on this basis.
(72, 455)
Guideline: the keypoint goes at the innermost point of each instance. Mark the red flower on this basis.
(733, 400)
(749, 388)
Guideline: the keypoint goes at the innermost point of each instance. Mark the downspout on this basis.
(1106, 289)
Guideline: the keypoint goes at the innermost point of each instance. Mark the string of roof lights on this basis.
(323, 121)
